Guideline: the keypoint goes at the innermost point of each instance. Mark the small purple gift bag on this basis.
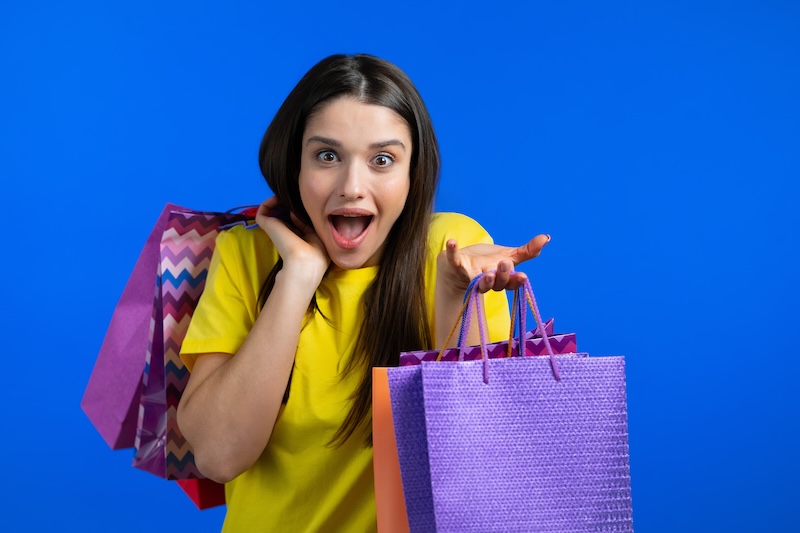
(513, 443)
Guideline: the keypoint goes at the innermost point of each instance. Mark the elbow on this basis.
(218, 464)
(211, 461)
(222, 464)
(216, 470)
(219, 452)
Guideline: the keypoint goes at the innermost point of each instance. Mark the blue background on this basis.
(658, 145)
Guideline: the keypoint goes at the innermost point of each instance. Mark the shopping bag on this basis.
(203, 492)
(179, 249)
(534, 345)
(111, 397)
(515, 443)
(187, 243)
(186, 247)
(390, 501)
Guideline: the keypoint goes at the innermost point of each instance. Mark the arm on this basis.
(456, 267)
(230, 404)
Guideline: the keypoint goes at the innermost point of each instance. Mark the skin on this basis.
(355, 156)
(356, 159)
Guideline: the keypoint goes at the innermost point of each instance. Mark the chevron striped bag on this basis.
(137, 380)
(185, 251)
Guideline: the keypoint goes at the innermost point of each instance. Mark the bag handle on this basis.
(531, 299)
(518, 311)
(251, 210)
(244, 210)
(466, 317)
(523, 297)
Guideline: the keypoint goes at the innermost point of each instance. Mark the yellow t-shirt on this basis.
(300, 483)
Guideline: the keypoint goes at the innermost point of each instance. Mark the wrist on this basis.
(300, 279)
(447, 291)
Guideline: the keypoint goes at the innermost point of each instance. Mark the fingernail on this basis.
(548, 237)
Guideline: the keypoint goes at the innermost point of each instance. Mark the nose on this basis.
(352, 184)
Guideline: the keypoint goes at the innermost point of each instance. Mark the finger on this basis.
(502, 276)
(451, 251)
(266, 219)
(299, 224)
(264, 209)
(486, 282)
(516, 281)
(268, 204)
(530, 250)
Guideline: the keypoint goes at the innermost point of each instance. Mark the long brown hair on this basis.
(395, 315)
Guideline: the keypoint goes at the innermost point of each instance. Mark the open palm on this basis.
(457, 266)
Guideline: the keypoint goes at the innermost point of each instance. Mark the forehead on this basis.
(354, 119)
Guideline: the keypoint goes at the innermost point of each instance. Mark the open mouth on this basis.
(350, 229)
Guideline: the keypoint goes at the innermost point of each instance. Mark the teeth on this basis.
(351, 216)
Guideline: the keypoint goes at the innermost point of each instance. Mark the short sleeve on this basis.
(466, 231)
(226, 310)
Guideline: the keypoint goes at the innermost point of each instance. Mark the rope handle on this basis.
(473, 300)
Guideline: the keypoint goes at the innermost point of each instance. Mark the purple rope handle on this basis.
(528, 290)
(467, 295)
(466, 320)
(474, 300)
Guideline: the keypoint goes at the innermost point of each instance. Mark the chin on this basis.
(351, 261)
(348, 263)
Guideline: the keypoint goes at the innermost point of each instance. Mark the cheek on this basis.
(393, 196)
(308, 195)
(402, 190)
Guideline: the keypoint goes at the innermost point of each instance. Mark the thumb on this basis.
(532, 249)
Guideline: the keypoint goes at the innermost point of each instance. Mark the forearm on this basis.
(229, 416)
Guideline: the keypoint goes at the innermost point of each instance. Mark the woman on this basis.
(293, 317)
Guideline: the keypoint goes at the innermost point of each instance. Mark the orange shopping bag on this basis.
(389, 500)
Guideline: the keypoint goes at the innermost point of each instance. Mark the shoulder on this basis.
(242, 241)
(249, 252)
(465, 230)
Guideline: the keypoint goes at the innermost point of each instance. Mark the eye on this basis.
(327, 156)
(383, 160)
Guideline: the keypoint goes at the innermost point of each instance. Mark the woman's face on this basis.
(354, 178)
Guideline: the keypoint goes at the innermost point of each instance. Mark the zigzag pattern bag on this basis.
(140, 367)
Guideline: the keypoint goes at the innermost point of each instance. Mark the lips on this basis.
(350, 228)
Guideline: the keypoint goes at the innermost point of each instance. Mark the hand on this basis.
(298, 245)
(457, 266)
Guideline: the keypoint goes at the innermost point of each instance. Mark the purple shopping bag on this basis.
(111, 398)
(514, 444)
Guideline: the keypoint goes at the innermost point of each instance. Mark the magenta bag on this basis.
(111, 398)
(138, 379)
(534, 345)
(516, 443)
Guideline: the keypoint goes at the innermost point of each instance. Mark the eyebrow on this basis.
(337, 144)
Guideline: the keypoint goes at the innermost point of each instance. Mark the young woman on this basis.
(296, 313)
